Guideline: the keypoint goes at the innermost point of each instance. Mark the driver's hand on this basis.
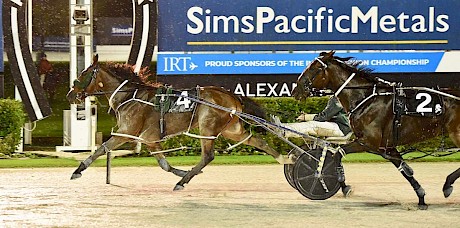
(306, 117)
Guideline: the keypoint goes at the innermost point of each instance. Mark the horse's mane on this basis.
(353, 65)
(126, 72)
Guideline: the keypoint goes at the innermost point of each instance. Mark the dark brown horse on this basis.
(369, 102)
(450, 179)
(139, 120)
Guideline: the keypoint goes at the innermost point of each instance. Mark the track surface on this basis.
(223, 196)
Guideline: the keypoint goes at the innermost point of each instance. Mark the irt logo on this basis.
(178, 64)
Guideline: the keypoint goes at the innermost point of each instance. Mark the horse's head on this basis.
(86, 83)
(314, 77)
(326, 72)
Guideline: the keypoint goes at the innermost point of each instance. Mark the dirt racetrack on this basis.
(223, 196)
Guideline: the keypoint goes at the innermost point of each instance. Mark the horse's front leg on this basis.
(110, 144)
(207, 155)
(447, 188)
(407, 172)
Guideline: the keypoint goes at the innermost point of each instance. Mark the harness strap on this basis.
(322, 63)
(344, 84)
(199, 136)
(126, 135)
(398, 110)
(134, 99)
(162, 115)
(385, 81)
(433, 91)
(115, 92)
(374, 93)
(239, 143)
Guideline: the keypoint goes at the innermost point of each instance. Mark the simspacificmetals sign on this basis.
(263, 37)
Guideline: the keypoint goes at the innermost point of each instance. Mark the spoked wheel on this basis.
(288, 171)
(289, 168)
(310, 183)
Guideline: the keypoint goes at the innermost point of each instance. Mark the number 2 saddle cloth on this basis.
(417, 103)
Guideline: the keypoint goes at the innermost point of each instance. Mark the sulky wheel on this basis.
(309, 183)
(288, 168)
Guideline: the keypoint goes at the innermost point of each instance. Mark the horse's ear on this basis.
(327, 55)
(95, 59)
(330, 54)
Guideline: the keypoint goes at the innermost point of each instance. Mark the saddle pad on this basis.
(181, 104)
(176, 104)
(418, 103)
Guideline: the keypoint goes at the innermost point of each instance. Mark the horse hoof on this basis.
(447, 191)
(178, 187)
(422, 206)
(347, 190)
(75, 176)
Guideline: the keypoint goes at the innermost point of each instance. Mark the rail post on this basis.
(109, 155)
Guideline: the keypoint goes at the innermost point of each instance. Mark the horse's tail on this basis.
(252, 107)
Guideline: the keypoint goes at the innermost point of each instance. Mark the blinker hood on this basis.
(84, 83)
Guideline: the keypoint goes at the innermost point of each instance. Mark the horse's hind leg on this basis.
(348, 148)
(346, 189)
(407, 172)
(454, 134)
(110, 144)
(257, 143)
(164, 164)
(447, 188)
(207, 155)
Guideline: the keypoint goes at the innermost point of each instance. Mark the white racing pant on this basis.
(313, 128)
(42, 79)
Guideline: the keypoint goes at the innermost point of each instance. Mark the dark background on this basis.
(51, 17)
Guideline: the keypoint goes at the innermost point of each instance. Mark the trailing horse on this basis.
(144, 115)
(380, 111)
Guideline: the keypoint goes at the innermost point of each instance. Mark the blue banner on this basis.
(295, 25)
(408, 62)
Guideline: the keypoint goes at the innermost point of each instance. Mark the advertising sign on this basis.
(280, 37)
(291, 63)
(295, 25)
(114, 30)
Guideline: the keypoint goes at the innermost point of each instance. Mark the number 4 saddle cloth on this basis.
(169, 100)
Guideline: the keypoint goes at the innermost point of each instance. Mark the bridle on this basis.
(307, 82)
(88, 78)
